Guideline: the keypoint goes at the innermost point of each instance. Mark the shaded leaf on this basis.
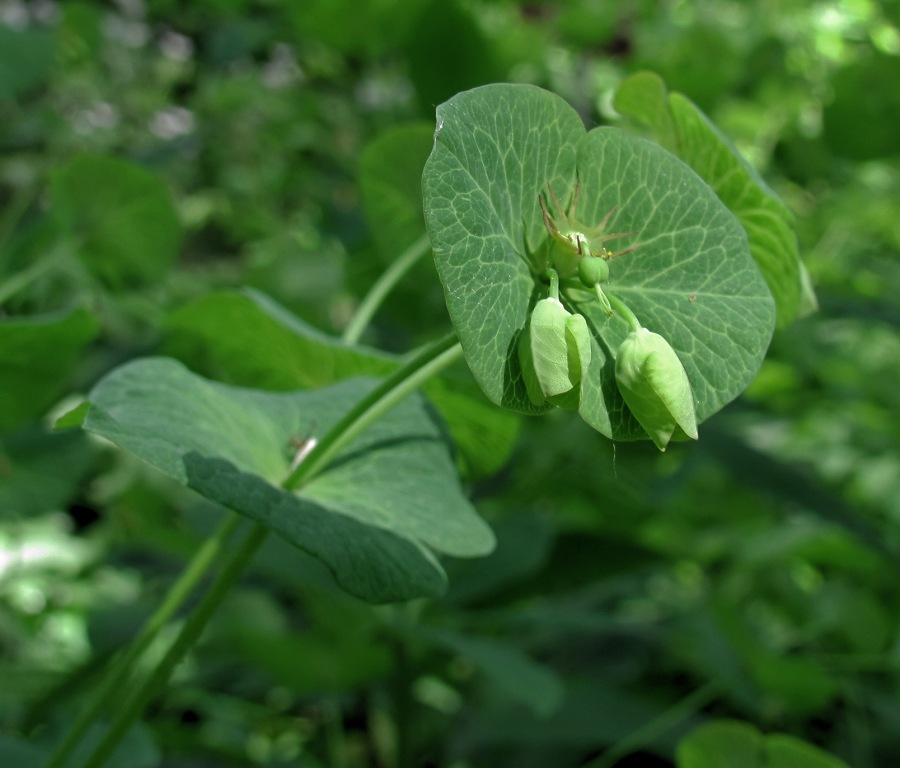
(41, 471)
(26, 58)
(369, 516)
(122, 217)
(390, 179)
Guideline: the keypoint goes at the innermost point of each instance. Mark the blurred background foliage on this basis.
(154, 152)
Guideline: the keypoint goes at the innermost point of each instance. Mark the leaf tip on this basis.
(73, 418)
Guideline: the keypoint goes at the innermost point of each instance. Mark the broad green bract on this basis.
(685, 269)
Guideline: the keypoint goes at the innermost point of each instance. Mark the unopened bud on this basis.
(655, 386)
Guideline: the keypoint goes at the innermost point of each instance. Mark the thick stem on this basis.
(622, 308)
(389, 278)
(123, 665)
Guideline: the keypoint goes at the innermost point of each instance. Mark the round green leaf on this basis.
(735, 744)
(722, 744)
(219, 335)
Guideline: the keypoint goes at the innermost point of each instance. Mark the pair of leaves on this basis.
(373, 516)
(692, 279)
(729, 744)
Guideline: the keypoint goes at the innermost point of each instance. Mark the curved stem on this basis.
(622, 308)
(123, 665)
(389, 278)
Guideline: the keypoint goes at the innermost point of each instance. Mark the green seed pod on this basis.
(554, 352)
(655, 387)
(593, 270)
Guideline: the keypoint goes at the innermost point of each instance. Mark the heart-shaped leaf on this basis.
(691, 278)
(372, 516)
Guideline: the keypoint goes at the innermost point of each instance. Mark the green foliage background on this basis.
(157, 157)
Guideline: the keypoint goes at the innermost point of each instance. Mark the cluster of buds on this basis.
(555, 349)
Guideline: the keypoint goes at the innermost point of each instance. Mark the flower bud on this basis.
(554, 353)
(655, 386)
(593, 270)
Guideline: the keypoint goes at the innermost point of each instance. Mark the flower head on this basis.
(573, 239)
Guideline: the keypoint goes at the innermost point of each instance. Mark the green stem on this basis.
(124, 664)
(389, 278)
(652, 730)
(20, 280)
(386, 395)
(622, 308)
(132, 708)
(554, 283)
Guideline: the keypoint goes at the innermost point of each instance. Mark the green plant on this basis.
(376, 495)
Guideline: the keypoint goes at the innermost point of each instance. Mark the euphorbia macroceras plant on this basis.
(522, 203)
